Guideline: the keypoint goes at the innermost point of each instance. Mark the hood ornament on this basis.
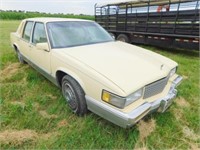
(161, 67)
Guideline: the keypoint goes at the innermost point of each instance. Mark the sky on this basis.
(54, 6)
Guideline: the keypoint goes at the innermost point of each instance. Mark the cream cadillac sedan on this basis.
(117, 81)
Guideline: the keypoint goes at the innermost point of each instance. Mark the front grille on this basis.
(155, 87)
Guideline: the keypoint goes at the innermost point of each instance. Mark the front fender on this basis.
(73, 75)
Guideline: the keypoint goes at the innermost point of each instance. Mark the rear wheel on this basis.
(74, 95)
(123, 38)
(20, 57)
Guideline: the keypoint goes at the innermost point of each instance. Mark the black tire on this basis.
(74, 95)
(123, 38)
(20, 57)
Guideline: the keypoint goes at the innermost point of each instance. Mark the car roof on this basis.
(50, 19)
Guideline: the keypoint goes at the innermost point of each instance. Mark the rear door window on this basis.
(27, 30)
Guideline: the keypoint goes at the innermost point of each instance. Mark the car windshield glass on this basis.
(75, 33)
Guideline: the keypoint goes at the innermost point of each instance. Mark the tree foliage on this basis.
(19, 15)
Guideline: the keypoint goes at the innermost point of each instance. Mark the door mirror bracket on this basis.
(43, 46)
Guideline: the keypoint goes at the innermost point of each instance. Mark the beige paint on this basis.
(114, 66)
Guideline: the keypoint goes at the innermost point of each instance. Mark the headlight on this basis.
(134, 96)
(172, 72)
(119, 101)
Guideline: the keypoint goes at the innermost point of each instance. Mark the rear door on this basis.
(24, 43)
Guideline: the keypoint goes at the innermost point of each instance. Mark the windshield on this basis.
(75, 33)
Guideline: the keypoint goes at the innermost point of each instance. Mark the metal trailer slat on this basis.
(181, 23)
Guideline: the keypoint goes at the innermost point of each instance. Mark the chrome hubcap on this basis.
(70, 97)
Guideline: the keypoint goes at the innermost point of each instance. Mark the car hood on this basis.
(129, 67)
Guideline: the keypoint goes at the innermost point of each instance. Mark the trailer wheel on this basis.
(123, 38)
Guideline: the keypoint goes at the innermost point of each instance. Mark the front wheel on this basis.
(74, 95)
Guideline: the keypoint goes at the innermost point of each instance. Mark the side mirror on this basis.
(112, 35)
(43, 46)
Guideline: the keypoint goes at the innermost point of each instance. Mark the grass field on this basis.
(34, 114)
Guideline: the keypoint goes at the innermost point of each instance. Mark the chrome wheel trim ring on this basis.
(70, 97)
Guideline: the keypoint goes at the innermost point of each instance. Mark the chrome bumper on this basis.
(126, 120)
